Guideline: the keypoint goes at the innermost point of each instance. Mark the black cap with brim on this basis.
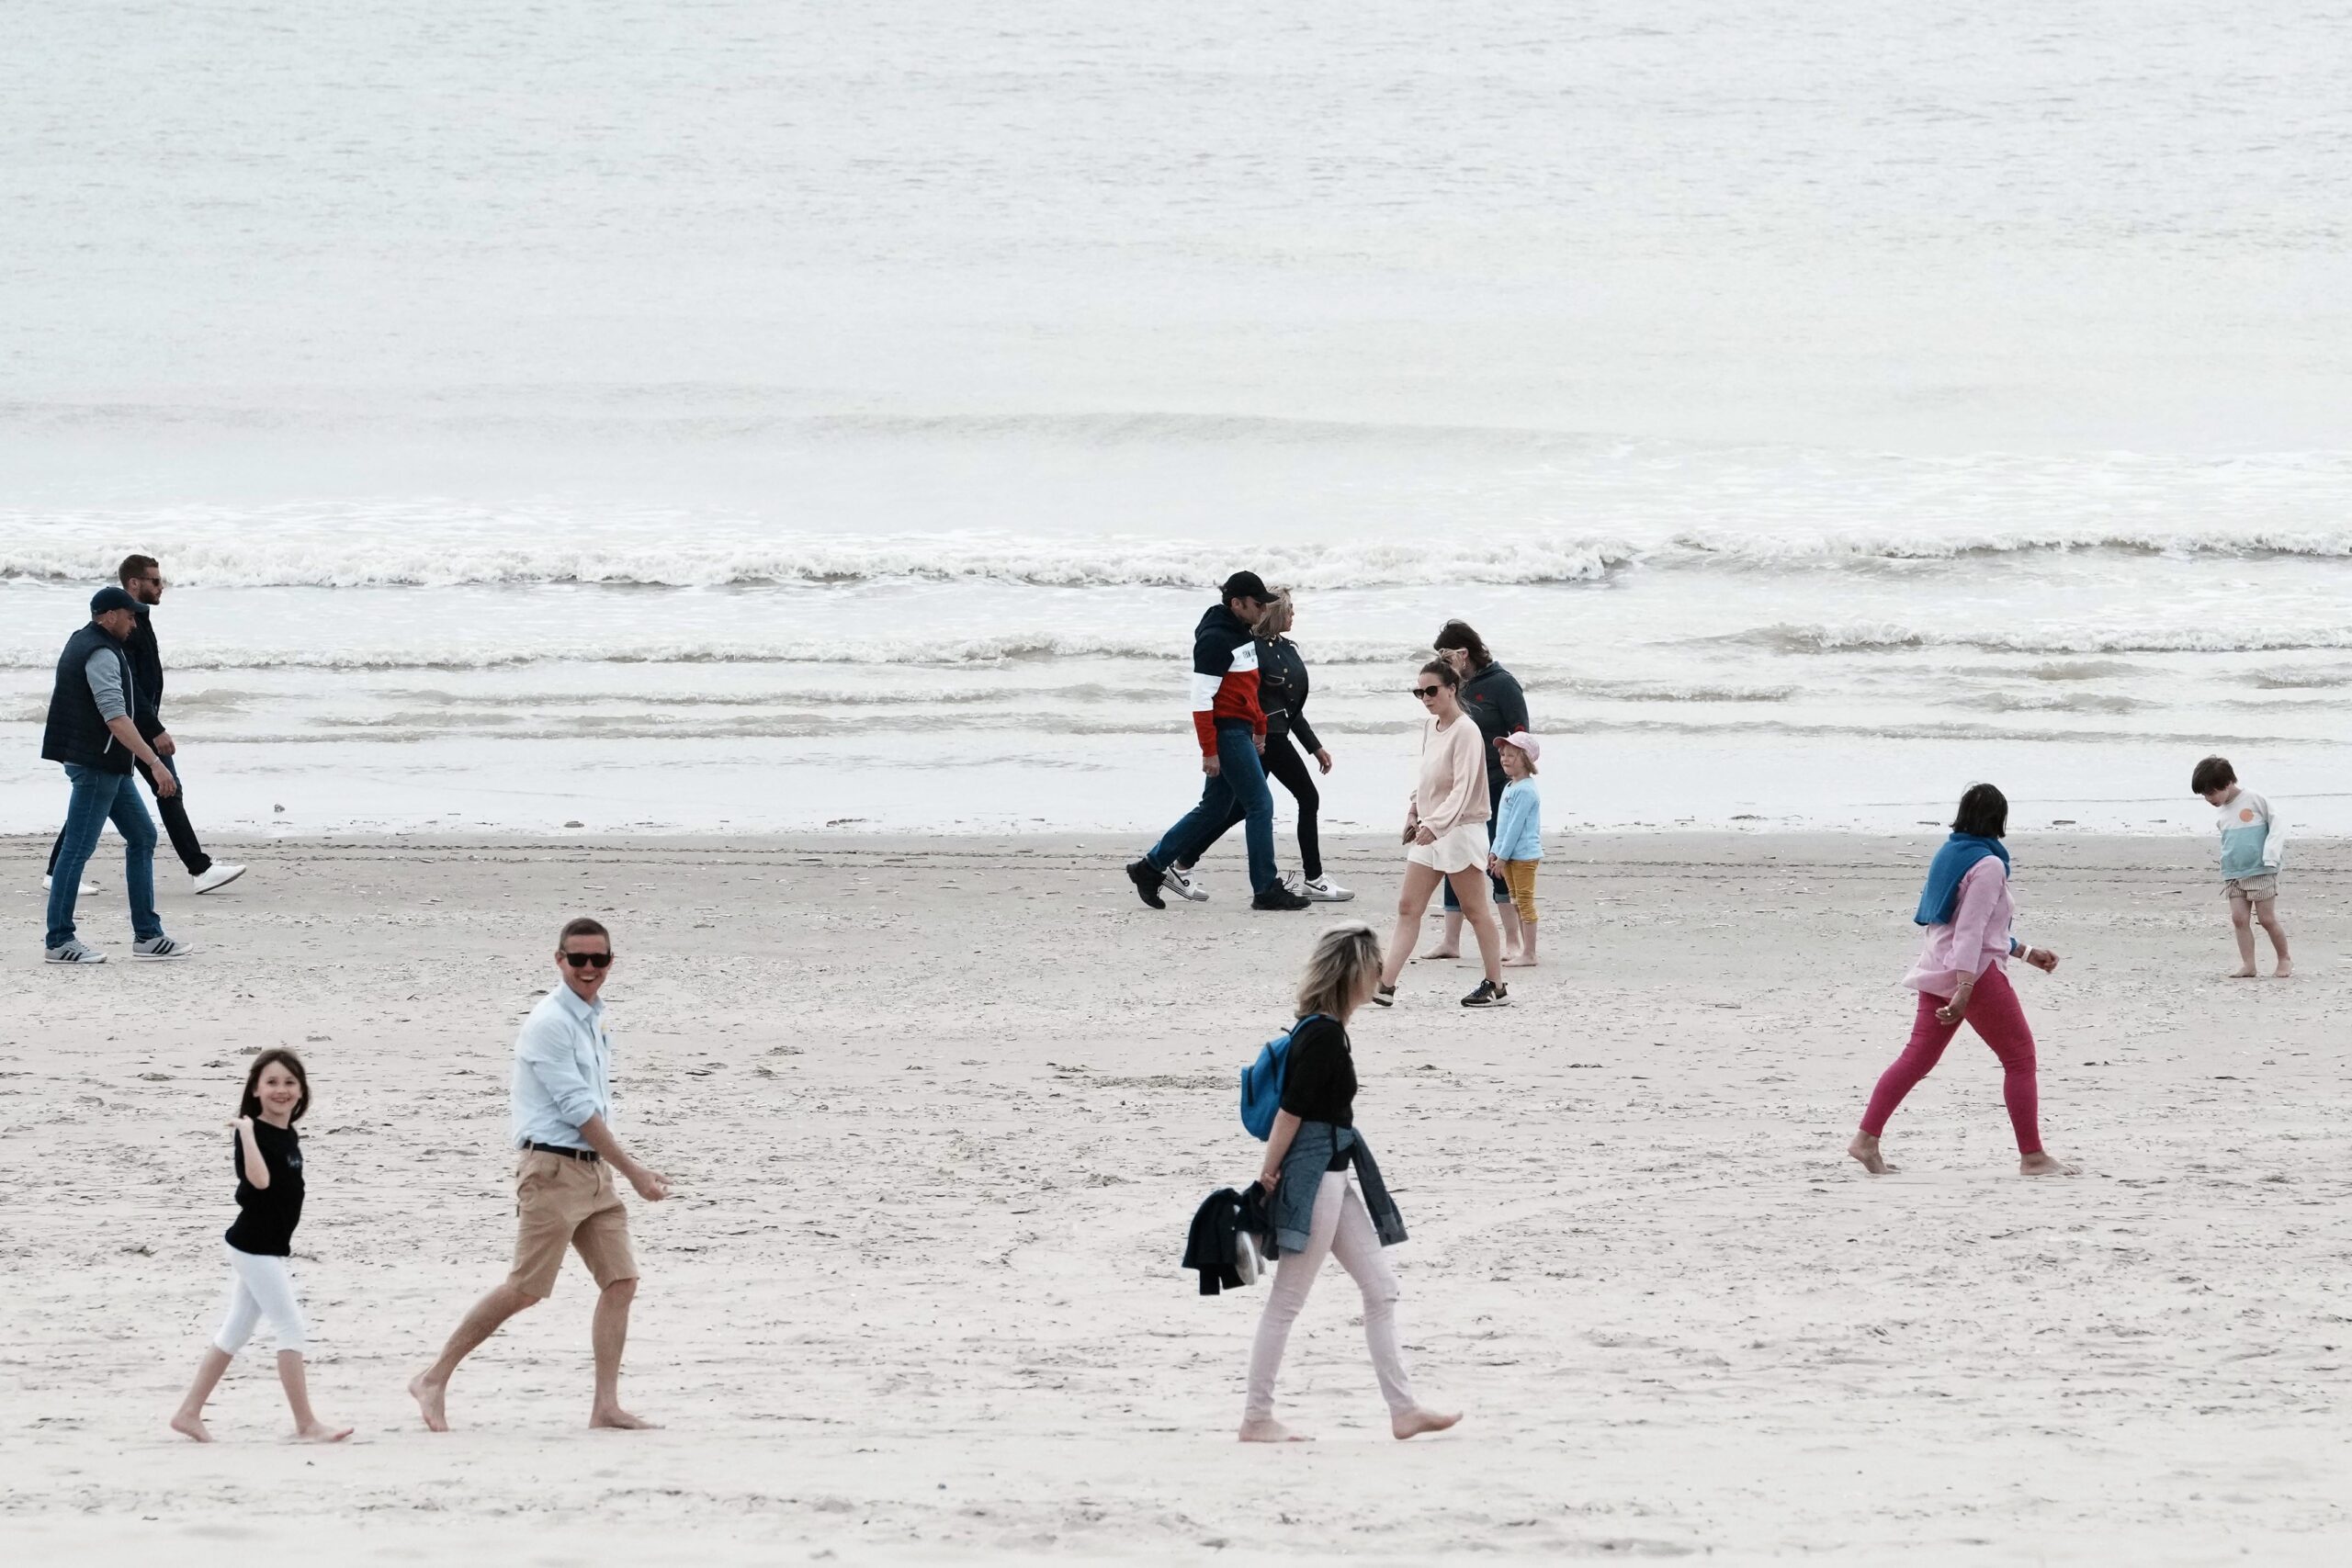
(106, 598)
(1245, 585)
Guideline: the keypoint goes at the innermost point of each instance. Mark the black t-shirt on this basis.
(266, 1215)
(1319, 1081)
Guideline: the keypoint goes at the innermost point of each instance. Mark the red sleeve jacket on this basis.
(1224, 677)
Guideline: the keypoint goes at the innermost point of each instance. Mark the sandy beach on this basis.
(938, 1111)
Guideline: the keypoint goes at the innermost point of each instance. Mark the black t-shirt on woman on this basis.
(266, 1215)
(1319, 1081)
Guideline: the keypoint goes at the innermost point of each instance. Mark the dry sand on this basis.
(939, 1111)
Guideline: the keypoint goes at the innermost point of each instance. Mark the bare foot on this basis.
(1519, 963)
(429, 1396)
(1865, 1148)
(188, 1426)
(2286, 968)
(2046, 1164)
(1414, 1422)
(320, 1432)
(2246, 973)
(618, 1420)
(1270, 1431)
(1441, 950)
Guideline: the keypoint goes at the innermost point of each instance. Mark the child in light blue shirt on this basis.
(2253, 846)
(1518, 844)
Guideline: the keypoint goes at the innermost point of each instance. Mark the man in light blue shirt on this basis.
(564, 1193)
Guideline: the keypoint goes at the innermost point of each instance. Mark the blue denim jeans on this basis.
(99, 796)
(1239, 785)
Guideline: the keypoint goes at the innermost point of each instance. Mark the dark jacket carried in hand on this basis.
(1496, 705)
(77, 732)
(1304, 1165)
(1218, 1227)
(1224, 677)
(1282, 689)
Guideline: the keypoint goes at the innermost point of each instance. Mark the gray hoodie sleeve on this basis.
(105, 671)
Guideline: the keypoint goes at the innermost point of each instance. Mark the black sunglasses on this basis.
(1426, 693)
(585, 960)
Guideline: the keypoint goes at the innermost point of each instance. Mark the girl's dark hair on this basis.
(250, 1104)
(1443, 671)
(1457, 633)
(2212, 774)
(1983, 811)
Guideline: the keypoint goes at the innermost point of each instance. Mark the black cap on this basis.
(106, 598)
(1245, 585)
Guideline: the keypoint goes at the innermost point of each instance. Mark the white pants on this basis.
(260, 1286)
(1341, 1229)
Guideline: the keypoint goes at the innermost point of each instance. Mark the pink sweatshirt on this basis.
(1452, 788)
(1978, 938)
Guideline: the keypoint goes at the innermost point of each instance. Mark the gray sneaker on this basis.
(160, 947)
(74, 952)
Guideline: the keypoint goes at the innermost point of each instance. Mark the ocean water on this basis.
(742, 416)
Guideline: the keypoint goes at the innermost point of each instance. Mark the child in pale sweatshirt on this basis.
(2252, 840)
(1518, 844)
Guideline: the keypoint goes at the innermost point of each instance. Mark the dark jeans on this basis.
(1285, 764)
(1237, 786)
(175, 823)
(98, 797)
(1495, 783)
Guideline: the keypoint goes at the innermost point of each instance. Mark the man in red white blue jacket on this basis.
(1232, 732)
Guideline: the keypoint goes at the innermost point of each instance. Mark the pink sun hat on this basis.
(1525, 742)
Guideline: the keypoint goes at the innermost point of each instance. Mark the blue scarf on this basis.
(1940, 898)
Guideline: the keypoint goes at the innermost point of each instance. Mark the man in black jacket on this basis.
(143, 578)
(90, 732)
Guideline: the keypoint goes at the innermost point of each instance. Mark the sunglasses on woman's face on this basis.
(584, 960)
(1426, 693)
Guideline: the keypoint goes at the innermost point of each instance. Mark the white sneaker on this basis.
(160, 947)
(1182, 884)
(221, 875)
(85, 891)
(1323, 890)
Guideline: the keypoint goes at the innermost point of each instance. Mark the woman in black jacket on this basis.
(1281, 693)
(1492, 696)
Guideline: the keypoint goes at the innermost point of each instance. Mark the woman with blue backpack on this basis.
(1328, 1198)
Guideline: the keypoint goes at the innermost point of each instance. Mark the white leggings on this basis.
(260, 1286)
(1343, 1230)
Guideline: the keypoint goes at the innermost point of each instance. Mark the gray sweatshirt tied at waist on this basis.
(1303, 1167)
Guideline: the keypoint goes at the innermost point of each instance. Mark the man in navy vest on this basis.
(92, 732)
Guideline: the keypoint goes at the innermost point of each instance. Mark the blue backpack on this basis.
(1262, 1081)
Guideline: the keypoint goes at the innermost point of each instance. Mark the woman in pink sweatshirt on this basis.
(1445, 823)
(1963, 974)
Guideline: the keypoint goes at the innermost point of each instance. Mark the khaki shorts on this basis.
(1518, 876)
(2252, 889)
(561, 1202)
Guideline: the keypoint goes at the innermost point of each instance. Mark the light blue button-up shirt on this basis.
(563, 1063)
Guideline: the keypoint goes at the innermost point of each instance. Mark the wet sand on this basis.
(938, 1111)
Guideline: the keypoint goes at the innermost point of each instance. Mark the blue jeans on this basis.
(99, 796)
(1239, 785)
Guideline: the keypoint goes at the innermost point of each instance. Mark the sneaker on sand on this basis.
(1488, 995)
(1323, 890)
(1145, 876)
(1277, 898)
(220, 875)
(87, 888)
(74, 952)
(1182, 884)
(1385, 996)
(160, 947)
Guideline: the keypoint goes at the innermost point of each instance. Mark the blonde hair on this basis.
(1275, 618)
(1337, 969)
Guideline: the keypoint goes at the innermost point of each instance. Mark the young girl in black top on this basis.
(1319, 1098)
(267, 1154)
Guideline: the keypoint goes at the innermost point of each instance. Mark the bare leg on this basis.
(1412, 902)
(189, 1420)
(1526, 959)
(1865, 1148)
(610, 1335)
(430, 1388)
(1450, 944)
(2268, 913)
(2242, 927)
(1513, 932)
(307, 1424)
(1478, 908)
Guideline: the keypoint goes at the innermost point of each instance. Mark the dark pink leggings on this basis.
(1993, 1014)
